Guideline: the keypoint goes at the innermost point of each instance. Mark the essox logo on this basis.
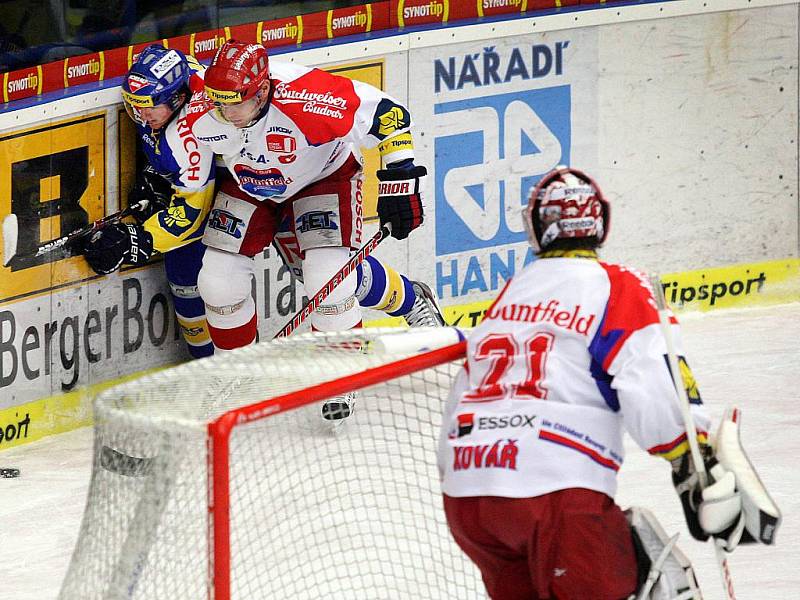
(463, 426)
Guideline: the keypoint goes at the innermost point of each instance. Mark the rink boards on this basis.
(687, 118)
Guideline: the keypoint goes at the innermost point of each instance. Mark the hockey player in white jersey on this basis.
(569, 355)
(178, 184)
(289, 136)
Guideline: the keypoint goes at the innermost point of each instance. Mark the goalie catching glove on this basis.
(399, 199)
(153, 188)
(107, 249)
(734, 507)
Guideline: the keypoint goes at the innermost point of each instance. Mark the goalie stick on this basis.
(688, 422)
(11, 234)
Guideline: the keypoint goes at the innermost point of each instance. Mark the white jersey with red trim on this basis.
(569, 355)
(314, 122)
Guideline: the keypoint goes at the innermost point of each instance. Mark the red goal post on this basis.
(289, 508)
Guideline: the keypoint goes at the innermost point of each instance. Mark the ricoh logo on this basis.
(190, 147)
(209, 45)
(432, 9)
(358, 19)
(90, 68)
(31, 82)
(286, 32)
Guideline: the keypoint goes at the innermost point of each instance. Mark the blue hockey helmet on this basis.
(158, 76)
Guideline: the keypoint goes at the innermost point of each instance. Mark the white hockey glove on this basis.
(734, 507)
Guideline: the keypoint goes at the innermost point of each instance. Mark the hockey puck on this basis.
(9, 472)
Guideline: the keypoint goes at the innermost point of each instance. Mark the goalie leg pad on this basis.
(665, 572)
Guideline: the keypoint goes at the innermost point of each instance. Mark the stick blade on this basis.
(10, 235)
(124, 464)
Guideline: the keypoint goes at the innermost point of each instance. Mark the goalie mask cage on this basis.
(219, 478)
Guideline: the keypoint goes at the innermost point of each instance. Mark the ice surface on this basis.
(747, 358)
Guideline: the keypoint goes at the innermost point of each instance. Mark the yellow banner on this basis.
(52, 182)
(756, 284)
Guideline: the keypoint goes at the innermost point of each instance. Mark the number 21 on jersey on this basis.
(506, 370)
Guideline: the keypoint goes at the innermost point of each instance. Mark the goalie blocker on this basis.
(735, 507)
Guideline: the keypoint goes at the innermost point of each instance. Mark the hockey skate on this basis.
(425, 312)
(339, 408)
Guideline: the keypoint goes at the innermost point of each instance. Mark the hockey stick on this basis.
(340, 275)
(11, 233)
(124, 464)
(688, 422)
(132, 466)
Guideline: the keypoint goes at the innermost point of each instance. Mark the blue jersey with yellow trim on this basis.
(176, 155)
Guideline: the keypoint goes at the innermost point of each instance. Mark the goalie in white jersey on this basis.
(568, 356)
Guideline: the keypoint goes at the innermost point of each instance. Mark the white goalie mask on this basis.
(566, 203)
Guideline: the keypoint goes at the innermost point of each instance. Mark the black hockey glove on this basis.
(713, 511)
(399, 199)
(153, 188)
(108, 248)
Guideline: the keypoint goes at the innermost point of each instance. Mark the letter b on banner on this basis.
(53, 180)
(43, 188)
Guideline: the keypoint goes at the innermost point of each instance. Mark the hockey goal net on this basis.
(219, 479)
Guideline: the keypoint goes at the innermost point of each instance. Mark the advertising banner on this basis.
(495, 118)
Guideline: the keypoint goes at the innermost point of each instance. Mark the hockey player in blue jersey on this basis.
(179, 183)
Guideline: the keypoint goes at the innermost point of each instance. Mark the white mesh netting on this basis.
(353, 513)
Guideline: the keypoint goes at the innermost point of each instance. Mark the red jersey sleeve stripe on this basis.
(549, 436)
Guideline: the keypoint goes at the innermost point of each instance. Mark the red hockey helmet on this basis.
(237, 72)
(566, 203)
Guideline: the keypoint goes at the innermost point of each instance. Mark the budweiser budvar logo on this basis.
(319, 103)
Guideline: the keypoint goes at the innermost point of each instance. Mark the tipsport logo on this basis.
(496, 149)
